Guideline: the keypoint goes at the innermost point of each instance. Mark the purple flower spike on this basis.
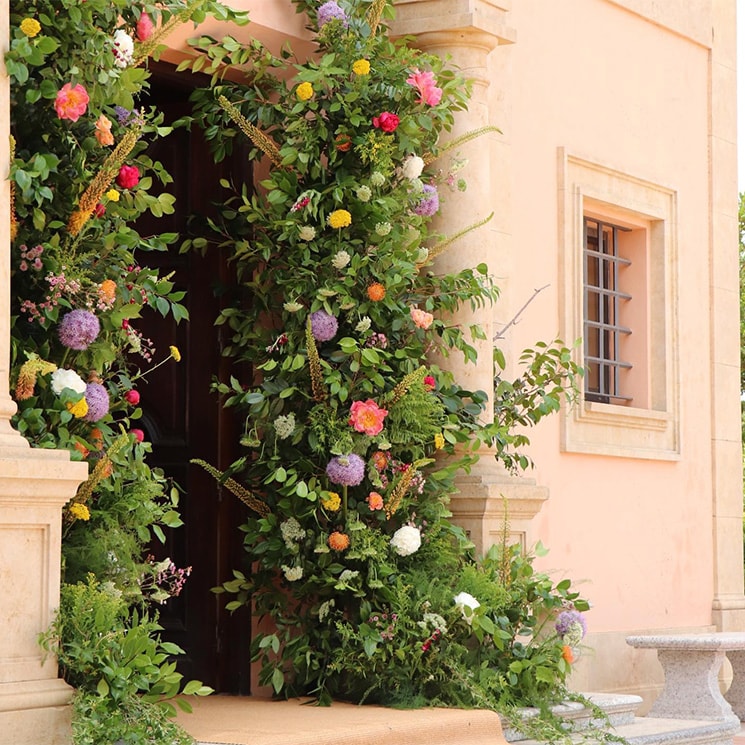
(78, 329)
(323, 325)
(346, 470)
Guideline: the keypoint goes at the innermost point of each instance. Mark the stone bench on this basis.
(691, 665)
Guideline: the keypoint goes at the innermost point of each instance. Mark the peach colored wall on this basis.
(616, 89)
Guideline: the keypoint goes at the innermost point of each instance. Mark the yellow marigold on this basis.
(304, 91)
(78, 409)
(439, 441)
(80, 511)
(175, 353)
(361, 67)
(112, 195)
(107, 291)
(331, 502)
(30, 27)
(376, 292)
(340, 219)
(338, 541)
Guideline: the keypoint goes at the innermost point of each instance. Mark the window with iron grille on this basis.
(604, 300)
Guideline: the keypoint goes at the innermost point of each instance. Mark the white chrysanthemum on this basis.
(292, 574)
(363, 325)
(341, 259)
(467, 604)
(124, 48)
(377, 178)
(406, 540)
(62, 378)
(364, 193)
(412, 167)
(307, 233)
(383, 228)
(284, 426)
(292, 306)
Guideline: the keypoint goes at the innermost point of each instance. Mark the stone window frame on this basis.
(651, 431)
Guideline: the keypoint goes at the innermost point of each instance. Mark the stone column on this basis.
(34, 485)
(471, 32)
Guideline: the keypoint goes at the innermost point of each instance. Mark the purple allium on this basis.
(323, 325)
(429, 203)
(329, 11)
(346, 470)
(97, 398)
(78, 329)
(566, 619)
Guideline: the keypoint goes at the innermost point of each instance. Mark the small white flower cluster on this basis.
(363, 325)
(63, 378)
(307, 233)
(292, 306)
(340, 259)
(124, 48)
(433, 621)
(284, 426)
(383, 228)
(406, 540)
(325, 608)
(377, 178)
(292, 574)
(364, 193)
(292, 532)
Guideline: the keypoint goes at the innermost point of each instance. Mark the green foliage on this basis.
(341, 313)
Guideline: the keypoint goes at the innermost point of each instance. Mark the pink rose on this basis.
(132, 397)
(429, 382)
(144, 27)
(424, 82)
(386, 121)
(129, 177)
(71, 102)
(367, 417)
(421, 318)
(138, 433)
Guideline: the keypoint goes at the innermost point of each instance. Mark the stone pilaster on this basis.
(34, 485)
(470, 32)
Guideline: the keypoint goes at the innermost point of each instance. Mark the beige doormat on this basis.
(235, 720)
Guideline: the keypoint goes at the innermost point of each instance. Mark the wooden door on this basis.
(182, 417)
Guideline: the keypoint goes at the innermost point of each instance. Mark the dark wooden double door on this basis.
(182, 417)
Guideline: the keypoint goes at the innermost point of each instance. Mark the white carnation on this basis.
(406, 540)
(412, 167)
(124, 48)
(62, 378)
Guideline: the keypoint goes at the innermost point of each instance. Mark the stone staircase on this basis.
(624, 723)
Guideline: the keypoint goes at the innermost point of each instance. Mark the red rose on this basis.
(129, 177)
(132, 397)
(386, 121)
(138, 433)
(99, 210)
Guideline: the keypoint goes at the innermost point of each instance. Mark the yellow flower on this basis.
(78, 409)
(175, 353)
(331, 502)
(80, 511)
(361, 67)
(112, 195)
(304, 91)
(30, 27)
(340, 219)
(439, 441)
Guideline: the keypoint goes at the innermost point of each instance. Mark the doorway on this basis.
(183, 419)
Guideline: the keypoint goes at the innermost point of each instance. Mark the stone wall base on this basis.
(35, 713)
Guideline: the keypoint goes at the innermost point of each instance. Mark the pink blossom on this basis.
(367, 417)
(144, 28)
(71, 102)
(424, 82)
(421, 318)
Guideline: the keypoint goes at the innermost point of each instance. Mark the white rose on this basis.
(412, 167)
(467, 604)
(62, 378)
(406, 540)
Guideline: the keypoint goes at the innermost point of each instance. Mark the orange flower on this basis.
(107, 291)
(103, 131)
(380, 460)
(338, 541)
(96, 438)
(343, 142)
(82, 449)
(567, 653)
(374, 501)
(376, 292)
(367, 417)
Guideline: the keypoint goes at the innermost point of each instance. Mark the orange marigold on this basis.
(107, 291)
(338, 541)
(376, 292)
(567, 653)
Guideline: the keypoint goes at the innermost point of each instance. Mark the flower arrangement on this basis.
(356, 435)
(80, 176)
